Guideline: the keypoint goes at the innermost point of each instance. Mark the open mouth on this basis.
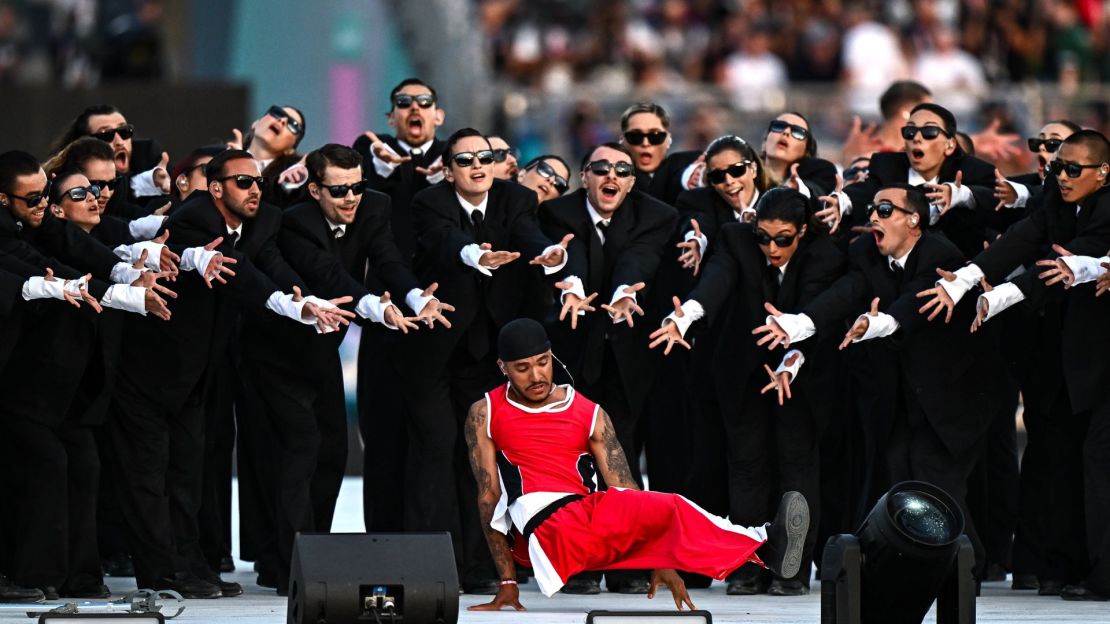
(610, 191)
(645, 158)
(544, 189)
(783, 143)
(878, 234)
(275, 128)
(478, 176)
(415, 123)
(917, 153)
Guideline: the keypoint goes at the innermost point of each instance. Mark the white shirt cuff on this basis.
(1002, 297)
(416, 300)
(124, 273)
(282, 304)
(798, 327)
(471, 256)
(703, 241)
(1022, 194)
(688, 172)
(576, 289)
(619, 294)
(879, 326)
(691, 312)
(438, 176)
(126, 298)
(134, 251)
(1085, 268)
(38, 287)
(559, 267)
(145, 228)
(143, 184)
(966, 279)
(383, 168)
(791, 368)
(371, 307)
(961, 195)
(197, 259)
(803, 189)
(845, 203)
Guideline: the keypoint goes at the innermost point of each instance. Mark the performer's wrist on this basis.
(508, 581)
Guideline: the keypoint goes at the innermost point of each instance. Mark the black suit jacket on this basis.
(963, 225)
(636, 242)
(401, 186)
(941, 363)
(818, 174)
(666, 183)
(332, 267)
(202, 318)
(1084, 334)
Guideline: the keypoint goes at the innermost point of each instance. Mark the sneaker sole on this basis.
(797, 525)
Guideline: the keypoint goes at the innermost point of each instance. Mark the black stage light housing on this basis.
(909, 551)
(643, 617)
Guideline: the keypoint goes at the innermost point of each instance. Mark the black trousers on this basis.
(993, 485)
(1096, 479)
(381, 421)
(667, 425)
(160, 462)
(214, 517)
(440, 490)
(55, 527)
(1065, 553)
(307, 419)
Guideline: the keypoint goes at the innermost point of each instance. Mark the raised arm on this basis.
(608, 454)
(483, 461)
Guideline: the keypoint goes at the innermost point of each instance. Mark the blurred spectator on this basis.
(954, 76)
(754, 75)
(133, 44)
(11, 43)
(872, 58)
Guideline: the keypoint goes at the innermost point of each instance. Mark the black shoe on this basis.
(190, 586)
(994, 573)
(747, 586)
(118, 564)
(89, 591)
(486, 587)
(227, 564)
(787, 587)
(581, 586)
(782, 552)
(50, 592)
(1049, 587)
(267, 580)
(695, 581)
(1081, 592)
(1024, 581)
(10, 592)
(634, 585)
(228, 589)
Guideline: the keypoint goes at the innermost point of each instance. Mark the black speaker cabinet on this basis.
(345, 578)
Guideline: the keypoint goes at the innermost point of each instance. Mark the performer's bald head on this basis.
(525, 358)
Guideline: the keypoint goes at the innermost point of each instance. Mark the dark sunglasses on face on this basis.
(466, 159)
(294, 126)
(885, 209)
(244, 181)
(852, 172)
(603, 167)
(1073, 170)
(79, 193)
(502, 154)
(1050, 145)
(548, 173)
(34, 199)
(636, 137)
(107, 184)
(927, 132)
(766, 239)
(339, 191)
(781, 127)
(735, 170)
(125, 132)
(405, 101)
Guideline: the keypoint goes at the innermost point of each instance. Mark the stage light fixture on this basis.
(643, 617)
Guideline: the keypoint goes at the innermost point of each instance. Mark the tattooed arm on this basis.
(483, 461)
(607, 452)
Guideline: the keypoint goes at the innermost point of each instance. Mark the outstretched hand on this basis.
(939, 300)
(859, 328)
(669, 331)
(507, 596)
(674, 582)
(691, 254)
(774, 333)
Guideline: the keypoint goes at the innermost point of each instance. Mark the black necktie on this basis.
(233, 238)
(416, 153)
(897, 270)
(477, 217)
(770, 282)
(602, 231)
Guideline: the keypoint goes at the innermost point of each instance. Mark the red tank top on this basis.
(545, 449)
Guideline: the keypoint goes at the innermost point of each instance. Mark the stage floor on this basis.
(997, 604)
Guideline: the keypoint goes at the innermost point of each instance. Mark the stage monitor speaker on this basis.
(403, 578)
(101, 618)
(643, 617)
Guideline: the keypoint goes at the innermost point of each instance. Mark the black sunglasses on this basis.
(79, 193)
(294, 126)
(636, 137)
(736, 170)
(1050, 145)
(885, 209)
(765, 239)
(927, 132)
(603, 167)
(405, 101)
(107, 184)
(244, 181)
(338, 191)
(125, 132)
(1073, 170)
(557, 180)
(852, 172)
(34, 199)
(798, 132)
(503, 153)
(466, 159)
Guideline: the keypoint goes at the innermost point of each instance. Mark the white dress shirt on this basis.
(577, 287)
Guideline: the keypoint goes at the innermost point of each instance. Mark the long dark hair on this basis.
(731, 142)
(79, 127)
